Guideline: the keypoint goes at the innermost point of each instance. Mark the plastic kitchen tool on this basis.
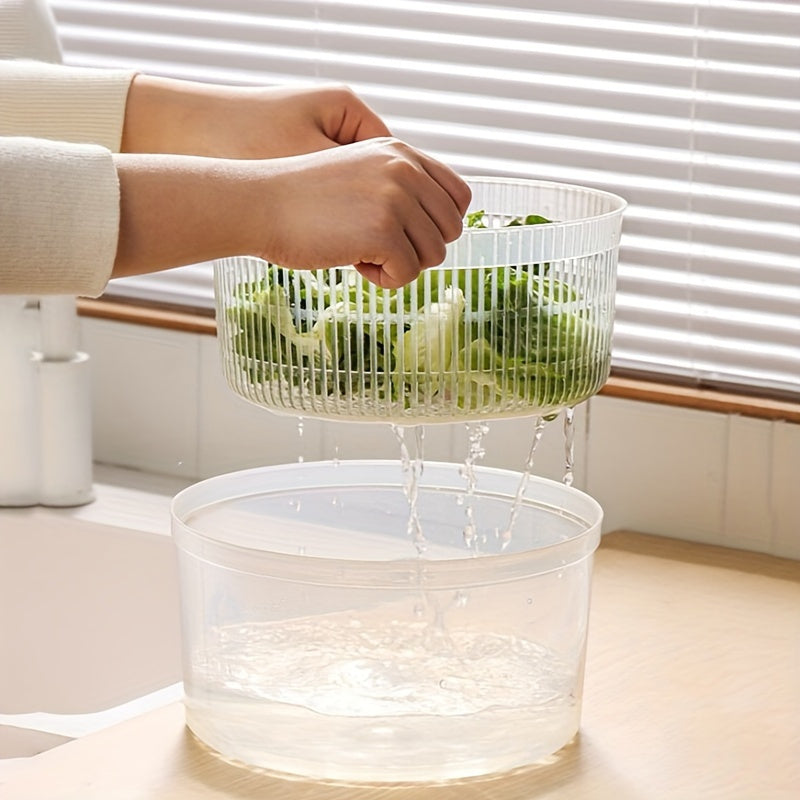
(516, 321)
(321, 640)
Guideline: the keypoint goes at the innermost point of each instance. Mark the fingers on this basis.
(451, 183)
(417, 208)
(399, 268)
(424, 232)
(443, 211)
(443, 199)
(378, 204)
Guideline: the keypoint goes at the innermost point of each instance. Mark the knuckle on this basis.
(434, 254)
(440, 251)
(454, 229)
(465, 198)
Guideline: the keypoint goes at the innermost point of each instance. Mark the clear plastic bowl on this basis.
(516, 321)
(321, 639)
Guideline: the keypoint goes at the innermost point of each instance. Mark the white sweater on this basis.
(59, 193)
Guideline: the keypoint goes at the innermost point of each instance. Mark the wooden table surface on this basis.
(692, 691)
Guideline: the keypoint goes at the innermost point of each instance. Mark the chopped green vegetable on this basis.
(472, 339)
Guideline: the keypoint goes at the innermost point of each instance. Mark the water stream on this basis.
(411, 441)
(538, 430)
(476, 431)
(412, 466)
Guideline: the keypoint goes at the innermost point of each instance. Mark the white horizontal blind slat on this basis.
(690, 110)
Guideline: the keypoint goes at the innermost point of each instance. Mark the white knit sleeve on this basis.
(59, 217)
(71, 104)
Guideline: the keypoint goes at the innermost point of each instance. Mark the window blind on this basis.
(690, 110)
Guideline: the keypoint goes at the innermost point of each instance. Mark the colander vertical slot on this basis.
(595, 266)
(400, 344)
(384, 399)
(283, 365)
(447, 364)
(346, 398)
(336, 345)
(260, 369)
(412, 354)
(254, 370)
(582, 307)
(584, 279)
(431, 380)
(555, 354)
(606, 297)
(491, 316)
(514, 258)
(524, 333)
(526, 384)
(478, 394)
(410, 362)
(460, 374)
(359, 338)
(585, 365)
(300, 384)
(373, 318)
(547, 276)
(324, 297)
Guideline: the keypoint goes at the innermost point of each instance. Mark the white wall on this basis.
(161, 405)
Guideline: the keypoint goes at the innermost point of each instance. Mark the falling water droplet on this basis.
(300, 431)
(569, 445)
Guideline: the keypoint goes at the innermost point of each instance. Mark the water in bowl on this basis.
(396, 700)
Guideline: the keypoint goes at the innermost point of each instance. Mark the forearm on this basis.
(177, 210)
(164, 115)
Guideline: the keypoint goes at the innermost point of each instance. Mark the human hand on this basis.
(380, 205)
(183, 117)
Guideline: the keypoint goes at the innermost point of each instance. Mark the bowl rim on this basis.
(469, 570)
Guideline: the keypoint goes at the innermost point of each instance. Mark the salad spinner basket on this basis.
(516, 321)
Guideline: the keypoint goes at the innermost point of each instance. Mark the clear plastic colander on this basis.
(516, 321)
